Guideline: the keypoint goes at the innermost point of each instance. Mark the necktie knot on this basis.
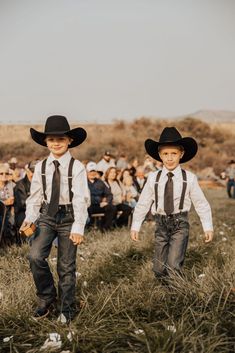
(170, 175)
(56, 164)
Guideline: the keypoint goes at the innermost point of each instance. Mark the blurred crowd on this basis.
(114, 183)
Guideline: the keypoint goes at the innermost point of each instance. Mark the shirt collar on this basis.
(63, 160)
(176, 171)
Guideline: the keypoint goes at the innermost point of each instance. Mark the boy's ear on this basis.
(70, 140)
(182, 153)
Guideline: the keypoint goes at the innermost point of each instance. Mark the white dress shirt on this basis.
(81, 195)
(194, 194)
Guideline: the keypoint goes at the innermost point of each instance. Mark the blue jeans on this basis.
(230, 186)
(48, 229)
(171, 240)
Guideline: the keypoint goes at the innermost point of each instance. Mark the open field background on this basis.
(216, 141)
(124, 308)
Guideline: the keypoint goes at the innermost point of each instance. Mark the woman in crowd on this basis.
(116, 189)
(123, 174)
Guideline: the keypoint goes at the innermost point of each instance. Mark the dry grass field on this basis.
(125, 309)
(216, 141)
(226, 127)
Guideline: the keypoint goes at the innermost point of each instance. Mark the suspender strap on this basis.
(156, 188)
(70, 170)
(70, 178)
(181, 206)
(43, 172)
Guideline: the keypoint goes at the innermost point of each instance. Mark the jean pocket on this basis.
(67, 218)
(182, 223)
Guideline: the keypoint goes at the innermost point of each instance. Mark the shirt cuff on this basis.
(136, 226)
(78, 228)
(207, 226)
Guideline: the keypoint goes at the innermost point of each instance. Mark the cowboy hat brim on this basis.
(78, 135)
(188, 143)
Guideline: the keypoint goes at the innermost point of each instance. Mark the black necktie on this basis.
(168, 195)
(55, 191)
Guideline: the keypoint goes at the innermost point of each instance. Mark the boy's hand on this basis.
(134, 235)
(9, 201)
(27, 229)
(208, 236)
(76, 238)
(24, 225)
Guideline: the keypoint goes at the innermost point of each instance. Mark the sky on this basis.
(100, 60)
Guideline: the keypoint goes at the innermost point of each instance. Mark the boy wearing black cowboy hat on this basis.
(58, 202)
(170, 191)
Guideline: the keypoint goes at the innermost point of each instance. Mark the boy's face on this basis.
(58, 145)
(170, 156)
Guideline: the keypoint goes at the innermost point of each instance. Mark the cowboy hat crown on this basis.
(58, 125)
(171, 136)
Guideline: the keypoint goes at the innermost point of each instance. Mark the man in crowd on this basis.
(139, 179)
(17, 173)
(106, 162)
(122, 162)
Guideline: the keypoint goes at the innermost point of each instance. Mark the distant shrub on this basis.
(216, 146)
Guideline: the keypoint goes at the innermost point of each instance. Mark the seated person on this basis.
(130, 192)
(116, 189)
(101, 197)
(122, 174)
(17, 173)
(21, 192)
(139, 179)
(7, 197)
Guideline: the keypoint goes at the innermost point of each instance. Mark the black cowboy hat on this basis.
(170, 136)
(58, 125)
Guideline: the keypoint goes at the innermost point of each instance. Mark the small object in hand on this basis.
(28, 230)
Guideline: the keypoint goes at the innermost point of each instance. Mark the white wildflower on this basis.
(7, 339)
(202, 275)
(171, 328)
(54, 341)
(139, 332)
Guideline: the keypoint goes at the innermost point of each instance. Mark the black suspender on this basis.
(43, 171)
(156, 188)
(70, 178)
(181, 206)
(184, 175)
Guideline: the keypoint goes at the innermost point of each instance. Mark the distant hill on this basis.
(214, 116)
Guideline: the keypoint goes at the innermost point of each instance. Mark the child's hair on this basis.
(122, 174)
(181, 148)
(106, 175)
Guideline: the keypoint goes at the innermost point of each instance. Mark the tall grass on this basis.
(124, 308)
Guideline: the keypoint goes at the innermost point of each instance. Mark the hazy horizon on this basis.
(97, 61)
